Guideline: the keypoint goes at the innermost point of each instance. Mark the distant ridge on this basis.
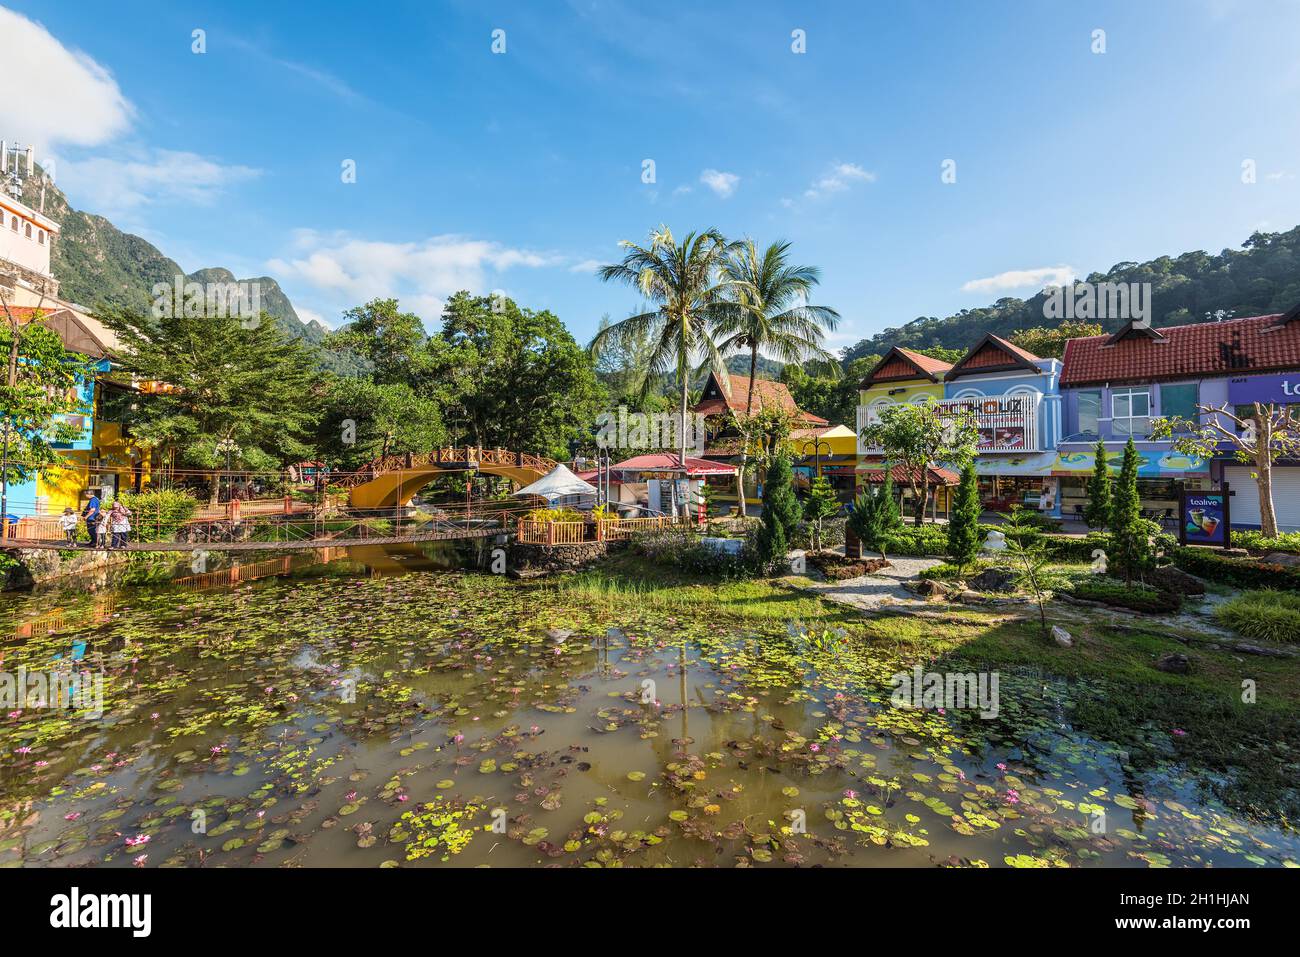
(1261, 277)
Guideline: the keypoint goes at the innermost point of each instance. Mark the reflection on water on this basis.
(375, 706)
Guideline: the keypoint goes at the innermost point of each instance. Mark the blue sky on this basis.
(518, 171)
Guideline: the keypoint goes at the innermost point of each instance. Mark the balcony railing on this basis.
(1006, 423)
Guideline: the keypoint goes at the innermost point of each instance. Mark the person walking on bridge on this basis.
(91, 514)
(119, 521)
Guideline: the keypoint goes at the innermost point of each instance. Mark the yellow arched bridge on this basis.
(392, 481)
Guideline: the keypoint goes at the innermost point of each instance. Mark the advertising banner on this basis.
(1280, 389)
(1203, 518)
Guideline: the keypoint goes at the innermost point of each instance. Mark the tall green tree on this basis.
(964, 522)
(512, 377)
(1097, 512)
(685, 282)
(1048, 342)
(43, 386)
(226, 379)
(391, 342)
(362, 421)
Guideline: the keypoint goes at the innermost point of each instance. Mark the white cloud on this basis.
(114, 185)
(1022, 279)
(421, 274)
(839, 178)
(724, 184)
(55, 95)
(586, 265)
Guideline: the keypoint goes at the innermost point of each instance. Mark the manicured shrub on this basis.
(948, 572)
(1061, 549)
(1111, 591)
(1264, 613)
(1230, 570)
(1255, 541)
(918, 540)
(682, 549)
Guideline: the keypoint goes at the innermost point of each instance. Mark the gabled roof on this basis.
(1205, 349)
(671, 462)
(734, 394)
(79, 332)
(899, 364)
(993, 354)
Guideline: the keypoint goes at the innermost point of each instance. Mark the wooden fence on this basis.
(575, 533)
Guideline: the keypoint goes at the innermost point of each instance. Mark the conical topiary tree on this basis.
(1097, 511)
(781, 513)
(820, 505)
(1128, 533)
(964, 522)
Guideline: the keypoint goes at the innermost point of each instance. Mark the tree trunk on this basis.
(744, 448)
(922, 501)
(1264, 470)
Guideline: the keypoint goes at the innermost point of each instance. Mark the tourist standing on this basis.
(68, 522)
(91, 514)
(119, 520)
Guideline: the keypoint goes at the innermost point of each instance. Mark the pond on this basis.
(378, 707)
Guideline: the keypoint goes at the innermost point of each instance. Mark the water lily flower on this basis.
(72, 815)
(1002, 767)
(23, 750)
(137, 840)
(1179, 732)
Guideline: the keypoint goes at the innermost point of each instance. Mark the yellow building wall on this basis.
(118, 454)
(61, 488)
(912, 391)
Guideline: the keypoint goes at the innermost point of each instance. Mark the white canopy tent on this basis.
(560, 483)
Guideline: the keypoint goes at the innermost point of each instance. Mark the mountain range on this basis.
(1262, 277)
(99, 265)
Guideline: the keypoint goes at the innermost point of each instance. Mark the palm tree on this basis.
(769, 312)
(685, 281)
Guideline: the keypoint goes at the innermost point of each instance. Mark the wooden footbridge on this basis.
(299, 531)
(392, 481)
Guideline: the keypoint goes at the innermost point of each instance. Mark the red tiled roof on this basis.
(900, 363)
(669, 462)
(901, 473)
(993, 352)
(1233, 347)
(766, 393)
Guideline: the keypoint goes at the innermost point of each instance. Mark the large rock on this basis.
(1174, 663)
(1172, 579)
(994, 579)
(928, 588)
(1062, 637)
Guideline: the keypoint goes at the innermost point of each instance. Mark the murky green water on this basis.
(378, 709)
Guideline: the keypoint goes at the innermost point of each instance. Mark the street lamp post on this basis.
(817, 452)
(229, 447)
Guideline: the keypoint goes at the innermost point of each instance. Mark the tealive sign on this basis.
(1280, 389)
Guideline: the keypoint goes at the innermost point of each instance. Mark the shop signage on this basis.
(1204, 517)
(1280, 389)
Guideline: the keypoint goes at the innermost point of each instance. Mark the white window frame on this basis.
(1115, 418)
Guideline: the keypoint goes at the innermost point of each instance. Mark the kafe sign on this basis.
(1279, 389)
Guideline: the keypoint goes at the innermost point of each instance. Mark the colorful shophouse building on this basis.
(1114, 385)
(901, 376)
(1015, 400)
